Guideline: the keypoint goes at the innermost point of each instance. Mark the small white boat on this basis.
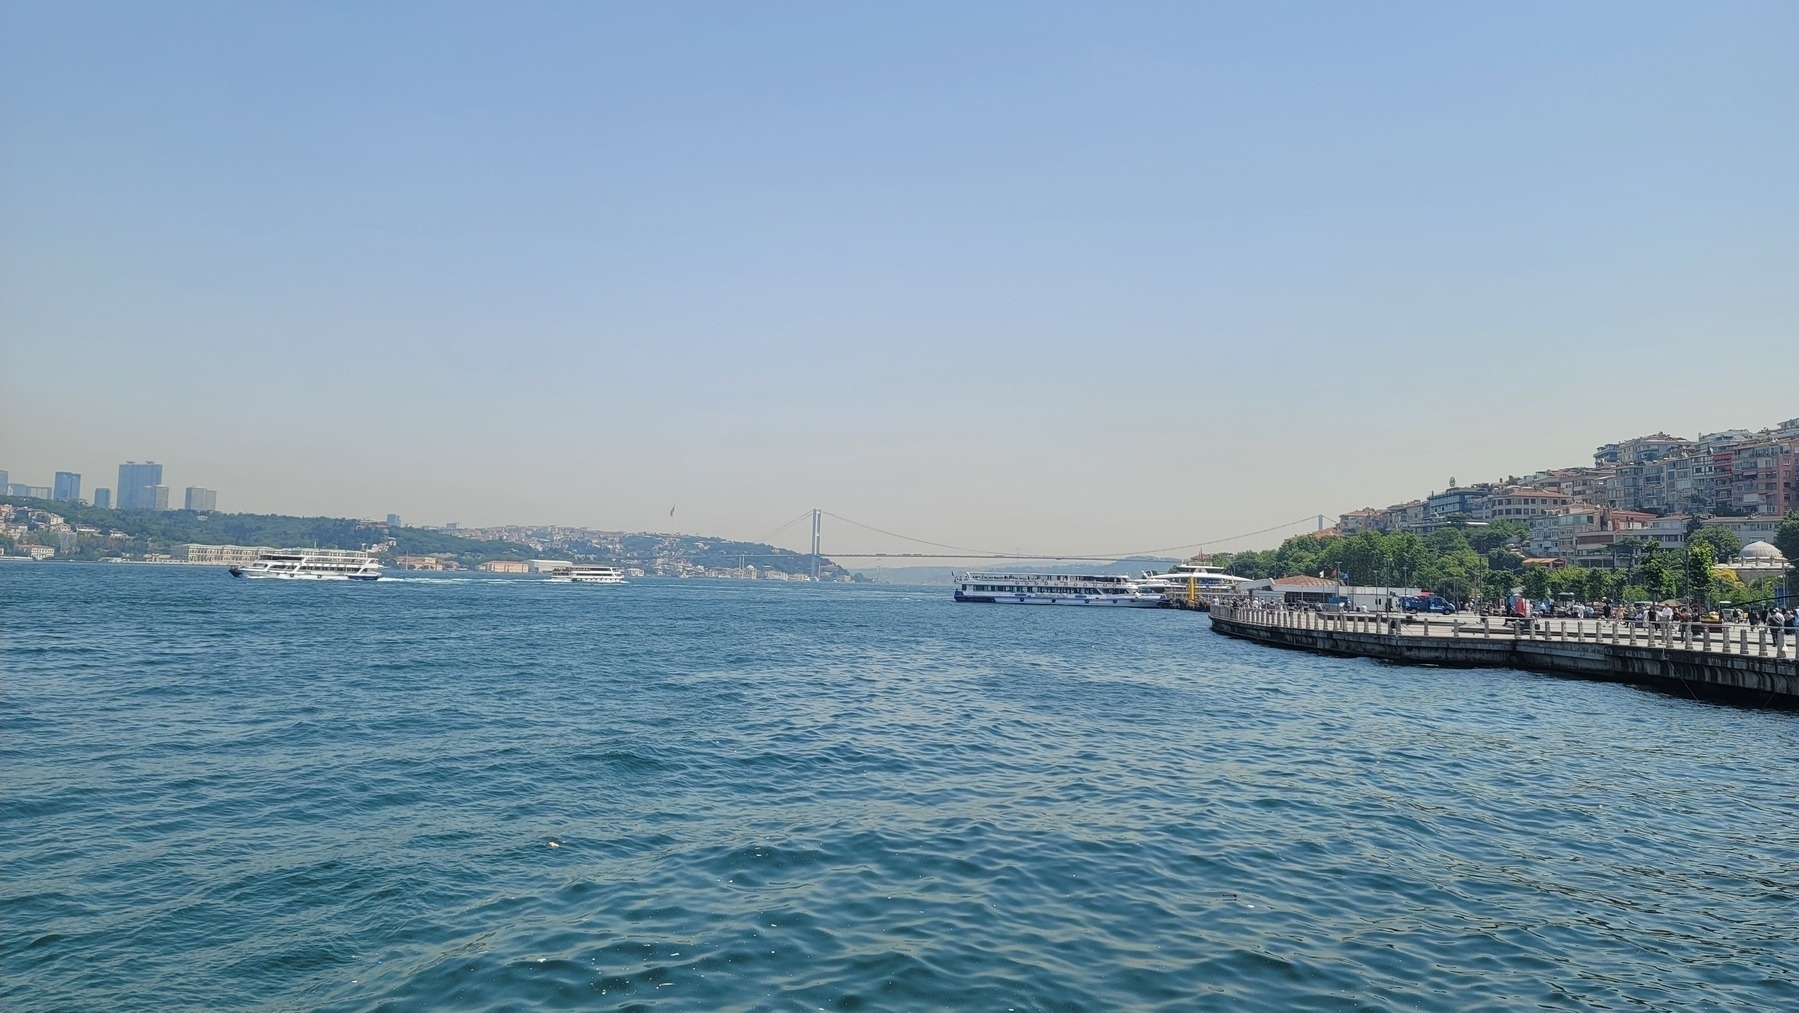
(583, 573)
(1055, 589)
(312, 564)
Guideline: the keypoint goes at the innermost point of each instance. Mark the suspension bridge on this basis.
(940, 550)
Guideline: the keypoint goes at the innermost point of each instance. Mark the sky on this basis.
(1055, 278)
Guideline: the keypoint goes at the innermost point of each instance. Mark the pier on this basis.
(1732, 661)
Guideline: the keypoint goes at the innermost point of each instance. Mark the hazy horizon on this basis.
(1034, 277)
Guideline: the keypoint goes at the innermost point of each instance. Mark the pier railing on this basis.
(1738, 639)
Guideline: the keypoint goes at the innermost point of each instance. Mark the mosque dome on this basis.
(1761, 550)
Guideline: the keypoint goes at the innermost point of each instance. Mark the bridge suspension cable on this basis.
(964, 552)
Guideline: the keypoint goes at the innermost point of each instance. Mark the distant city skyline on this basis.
(1061, 278)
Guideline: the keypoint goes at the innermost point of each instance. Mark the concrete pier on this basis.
(1734, 661)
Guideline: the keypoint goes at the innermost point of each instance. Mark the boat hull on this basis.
(254, 574)
(1101, 601)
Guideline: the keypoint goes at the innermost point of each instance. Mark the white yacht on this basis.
(1055, 589)
(312, 564)
(1192, 581)
(587, 573)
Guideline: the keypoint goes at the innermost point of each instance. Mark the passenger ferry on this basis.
(1055, 589)
(312, 564)
(583, 573)
(1193, 581)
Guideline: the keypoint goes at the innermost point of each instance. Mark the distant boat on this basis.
(1055, 589)
(585, 574)
(312, 564)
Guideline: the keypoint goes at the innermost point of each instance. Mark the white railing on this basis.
(1737, 639)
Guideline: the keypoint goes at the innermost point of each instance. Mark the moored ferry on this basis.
(1055, 589)
(584, 573)
(312, 564)
(1197, 583)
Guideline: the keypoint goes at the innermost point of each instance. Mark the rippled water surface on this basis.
(481, 793)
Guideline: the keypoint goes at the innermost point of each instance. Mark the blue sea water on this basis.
(489, 793)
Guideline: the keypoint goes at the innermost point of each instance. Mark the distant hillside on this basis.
(157, 531)
(137, 533)
(657, 552)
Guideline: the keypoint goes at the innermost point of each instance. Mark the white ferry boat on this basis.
(1055, 589)
(312, 564)
(584, 573)
(1193, 581)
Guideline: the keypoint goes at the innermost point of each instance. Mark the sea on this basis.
(474, 792)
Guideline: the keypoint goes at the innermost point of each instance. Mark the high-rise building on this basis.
(156, 497)
(134, 479)
(393, 520)
(30, 491)
(201, 500)
(5, 480)
(67, 487)
(103, 498)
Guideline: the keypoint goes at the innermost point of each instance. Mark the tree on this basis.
(1723, 541)
(1496, 534)
(1786, 538)
(1698, 572)
(1657, 577)
(1727, 586)
(1536, 583)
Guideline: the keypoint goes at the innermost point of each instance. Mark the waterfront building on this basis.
(1521, 503)
(1759, 528)
(134, 479)
(1606, 548)
(201, 500)
(103, 498)
(66, 487)
(546, 565)
(505, 566)
(418, 563)
(1403, 516)
(1668, 532)
(1761, 477)
(1470, 500)
(1553, 532)
(1632, 486)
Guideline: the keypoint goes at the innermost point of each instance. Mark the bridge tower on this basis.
(815, 520)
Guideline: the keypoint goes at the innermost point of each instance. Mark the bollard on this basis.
(1742, 641)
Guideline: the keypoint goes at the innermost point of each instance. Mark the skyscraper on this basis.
(156, 497)
(5, 480)
(68, 486)
(393, 520)
(134, 479)
(201, 500)
(103, 498)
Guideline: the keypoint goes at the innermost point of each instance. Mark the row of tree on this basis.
(1466, 563)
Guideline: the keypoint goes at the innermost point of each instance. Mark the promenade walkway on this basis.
(1732, 658)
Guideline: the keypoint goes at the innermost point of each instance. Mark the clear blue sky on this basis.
(1056, 277)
